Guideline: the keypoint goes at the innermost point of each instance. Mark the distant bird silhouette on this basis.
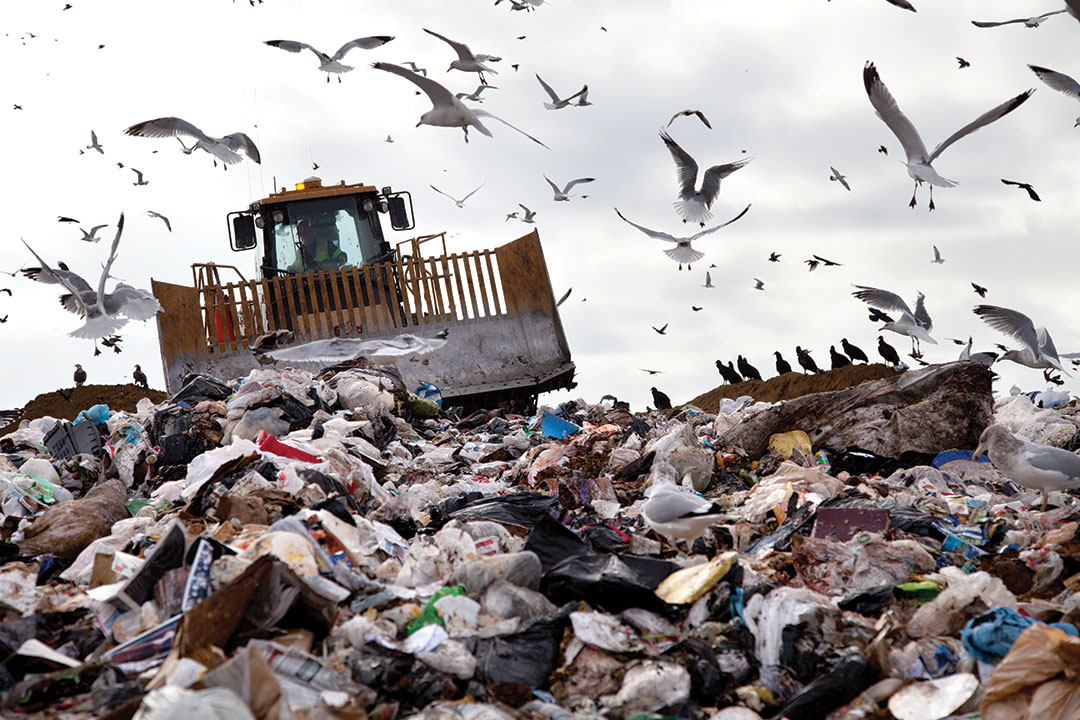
(838, 360)
(140, 181)
(883, 150)
(979, 290)
(688, 113)
(708, 280)
(64, 218)
(827, 263)
(782, 365)
(812, 263)
(660, 400)
(694, 203)
(695, 308)
(774, 257)
(842, 179)
(660, 330)
(140, 377)
(937, 257)
(1030, 190)
(806, 361)
(728, 372)
(1060, 82)
(162, 218)
(852, 351)
(1031, 22)
(748, 371)
(652, 372)
(759, 284)
(878, 316)
(79, 376)
(963, 63)
(887, 351)
(91, 236)
(563, 298)
(94, 144)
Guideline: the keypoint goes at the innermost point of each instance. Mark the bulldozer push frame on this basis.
(506, 342)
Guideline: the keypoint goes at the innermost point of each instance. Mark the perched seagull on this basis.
(139, 377)
(557, 102)
(774, 257)
(1031, 22)
(984, 358)
(99, 309)
(1060, 82)
(758, 284)
(226, 149)
(94, 145)
(1038, 351)
(688, 113)
(460, 203)
(162, 218)
(684, 251)
(563, 298)
(979, 290)
(475, 96)
(937, 257)
(447, 110)
(842, 179)
(327, 63)
(91, 236)
(1030, 190)
(412, 66)
(852, 351)
(660, 330)
(694, 204)
(529, 214)
(337, 350)
(467, 61)
(962, 62)
(563, 195)
(79, 376)
(1039, 467)
(140, 180)
(916, 325)
(708, 280)
(920, 163)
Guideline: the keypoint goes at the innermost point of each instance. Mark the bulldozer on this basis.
(328, 270)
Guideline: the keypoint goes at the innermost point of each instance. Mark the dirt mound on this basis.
(54, 404)
(792, 385)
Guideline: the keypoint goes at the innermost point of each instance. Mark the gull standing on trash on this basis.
(687, 113)
(920, 163)
(447, 110)
(330, 64)
(226, 149)
(558, 103)
(842, 179)
(1031, 22)
(80, 375)
(460, 203)
(467, 61)
(1060, 82)
(916, 325)
(1038, 351)
(94, 144)
(694, 203)
(684, 251)
(339, 349)
(1038, 467)
(564, 194)
(679, 515)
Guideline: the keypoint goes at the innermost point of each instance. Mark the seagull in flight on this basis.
(583, 98)
(162, 218)
(467, 61)
(1060, 82)
(226, 149)
(91, 236)
(331, 64)
(842, 179)
(412, 66)
(447, 110)
(937, 257)
(140, 181)
(920, 163)
(557, 102)
(1038, 351)
(1031, 22)
(563, 298)
(529, 216)
(564, 194)
(460, 203)
(94, 145)
(687, 113)
(828, 263)
(684, 251)
(694, 203)
(475, 96)
(916, 325)
(708, 279)
(1030, 190)
(336, 350)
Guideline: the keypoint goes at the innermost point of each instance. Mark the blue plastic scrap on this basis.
(947, 456)
(990, 636)
(555, 427)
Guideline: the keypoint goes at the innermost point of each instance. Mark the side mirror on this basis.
(400, 215)
(242, 232)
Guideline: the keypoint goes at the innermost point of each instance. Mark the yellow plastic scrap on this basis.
(687, 585)
(783, 444)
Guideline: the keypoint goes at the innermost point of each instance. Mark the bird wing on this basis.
(527, 210)
(991, 23)
(364, 43)
(294, 46)
(438, 94)
(922, 318)
(1046, 457)
(1047, 348)
(93, 230)
(563, 298)
(937, 258)
(240, 141)
(161, 217)
(686, 166)
(701, 116)
(655, 234)
(1010, 322)
(441, 192)
(137, 172)
(168, 127)
(882, 299)
(903, 4)
(710, 183)
(890, 113)
(485, 113)
(550, 90)
(554, 188)
(67, 279)
(666, 505)
(462, 50)
(108, 263)
(132, 302)
(572, 183)
(1056, 80)
(473, 192)
(717, 227)
(985, 119)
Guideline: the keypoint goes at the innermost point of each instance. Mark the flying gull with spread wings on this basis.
(332, 63)
(226, 149)
(915, 324)
(694, 203)
(467, 60)
(683, 252)
(1060, 82)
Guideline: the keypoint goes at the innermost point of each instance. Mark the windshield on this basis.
(325, 234)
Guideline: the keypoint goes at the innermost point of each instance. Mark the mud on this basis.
(54, 404)
(792, 385)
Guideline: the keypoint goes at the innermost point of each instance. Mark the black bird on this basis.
(883, 150)
(695, 308)
(733, 373)
(112, 341)
(64, 218)
(853, 352)
(963, 63)
(774, 257)
(79, 376)
(660, 400)
(878, 316)
(660, 330)
(887, 351)
(813, 264)
(979, 289)
(1030, 190)
(828, 263)
(781, 364)
(7, 290)
(806, 361)
(838, 360)
(4, 319)
(748, 371)
(140, 377)
(730, 376)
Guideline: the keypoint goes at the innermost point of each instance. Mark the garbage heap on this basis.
(335, 546)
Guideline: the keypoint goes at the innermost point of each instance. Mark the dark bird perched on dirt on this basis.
(806, 361)
(853, 352)
(1030, 190)
(79, 376)
(887, 351)
(838, 360)
(979, 290)
(782, 365)
(660, 400)
(728, 374)
(140, 377)
(748, 371)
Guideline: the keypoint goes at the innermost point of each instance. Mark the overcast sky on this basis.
(780, 81)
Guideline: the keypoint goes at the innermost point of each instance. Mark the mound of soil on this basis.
(54, 404)
(792, 385)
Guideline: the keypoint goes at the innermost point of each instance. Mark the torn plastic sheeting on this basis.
(933, 699)
(649, 686)
(989, 637)
(203, 468)
(611, 582)
(1037, 680)
(859, 564)
(966, 596)
(527, 656)
(65, 529)
(605, 632)
(847, 679)
(517, 509)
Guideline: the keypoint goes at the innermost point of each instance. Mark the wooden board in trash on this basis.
(844, 523)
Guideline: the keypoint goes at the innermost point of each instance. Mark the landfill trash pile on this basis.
(290, 545)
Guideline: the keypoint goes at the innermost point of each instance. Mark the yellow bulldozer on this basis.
(327, 270)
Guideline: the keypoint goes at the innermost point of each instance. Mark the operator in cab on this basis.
(318, 248)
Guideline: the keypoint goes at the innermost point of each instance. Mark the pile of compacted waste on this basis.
(290, 545)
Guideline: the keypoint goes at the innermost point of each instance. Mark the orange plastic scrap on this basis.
(1038, 680)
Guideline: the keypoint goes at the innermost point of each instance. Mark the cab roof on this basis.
(312, 188)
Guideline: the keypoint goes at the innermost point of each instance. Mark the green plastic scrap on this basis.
(924, 592)
(429, 614)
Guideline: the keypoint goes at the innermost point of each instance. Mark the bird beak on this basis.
(979, 451)
(419, 124)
